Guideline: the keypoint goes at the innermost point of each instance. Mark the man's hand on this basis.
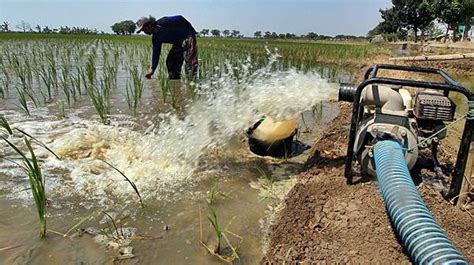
(149, 73)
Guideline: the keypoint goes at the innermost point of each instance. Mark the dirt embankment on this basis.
(326, 220)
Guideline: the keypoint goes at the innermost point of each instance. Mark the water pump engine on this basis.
(390, 112)
(392, 120)
(412, 112)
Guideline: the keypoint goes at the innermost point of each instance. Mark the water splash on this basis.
(161, 160)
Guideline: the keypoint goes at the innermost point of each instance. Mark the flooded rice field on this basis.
(146, 170)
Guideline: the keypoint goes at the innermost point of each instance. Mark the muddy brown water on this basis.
(171, 226)
(171, 231)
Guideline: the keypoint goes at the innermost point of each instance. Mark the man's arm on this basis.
(156, 55)
(155, 58)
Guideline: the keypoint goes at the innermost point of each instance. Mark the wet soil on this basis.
(325, 220)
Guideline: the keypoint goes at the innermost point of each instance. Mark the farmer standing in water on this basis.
(175, 30)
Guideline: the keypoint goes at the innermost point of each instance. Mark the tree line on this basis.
(128, 27)
(274, 35)
(411, 17)
(26, 27)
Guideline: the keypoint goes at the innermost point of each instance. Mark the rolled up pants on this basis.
(186, 51)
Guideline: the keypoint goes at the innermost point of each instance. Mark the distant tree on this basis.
(311, 35)
(274, 35)
(204, 32)
(409, 14)
(257, 34)
(64, 30)
(24, 26)
(117, 28)
(125, 27)
(391, 24)
(467, 15)
(391, 20)
(406, 15)
(449, 12)
(72, 30)
(347, 37)
(235, 33)
(38, 28)
(129, 26)
(46, 29)
(453, 13)
(216, 33)
(267, 35)
(324, 37)
(4, 27)
(226, 33)
(376, 31)
(419, 16)
(290, 36)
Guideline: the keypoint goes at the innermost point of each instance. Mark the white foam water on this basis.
(160, 160)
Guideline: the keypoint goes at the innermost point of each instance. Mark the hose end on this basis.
(347, 92)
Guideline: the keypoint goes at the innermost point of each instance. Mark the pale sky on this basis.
(329, 17)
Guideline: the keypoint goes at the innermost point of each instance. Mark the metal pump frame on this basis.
(450, 85)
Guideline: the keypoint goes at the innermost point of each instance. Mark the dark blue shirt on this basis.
(173, 30)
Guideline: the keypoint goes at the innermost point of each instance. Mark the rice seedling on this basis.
(134, 91)
(214, 194)
(221, 235)
(21, 73)
(90, 70)
(83, 76)
(36, 180)
(76, 84)
(28, 72)
(99, 96)
(114, 225)
(52, 68)
(65, 86)
(116, 58)
(108, 81)
(31, 168)
(5, 125)
(110, 69)
(2, 91)
(165, 86)
(213, 219)
(22, 98)
(5, 80)
(48, 82)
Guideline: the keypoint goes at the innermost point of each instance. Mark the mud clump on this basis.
(324, 219)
